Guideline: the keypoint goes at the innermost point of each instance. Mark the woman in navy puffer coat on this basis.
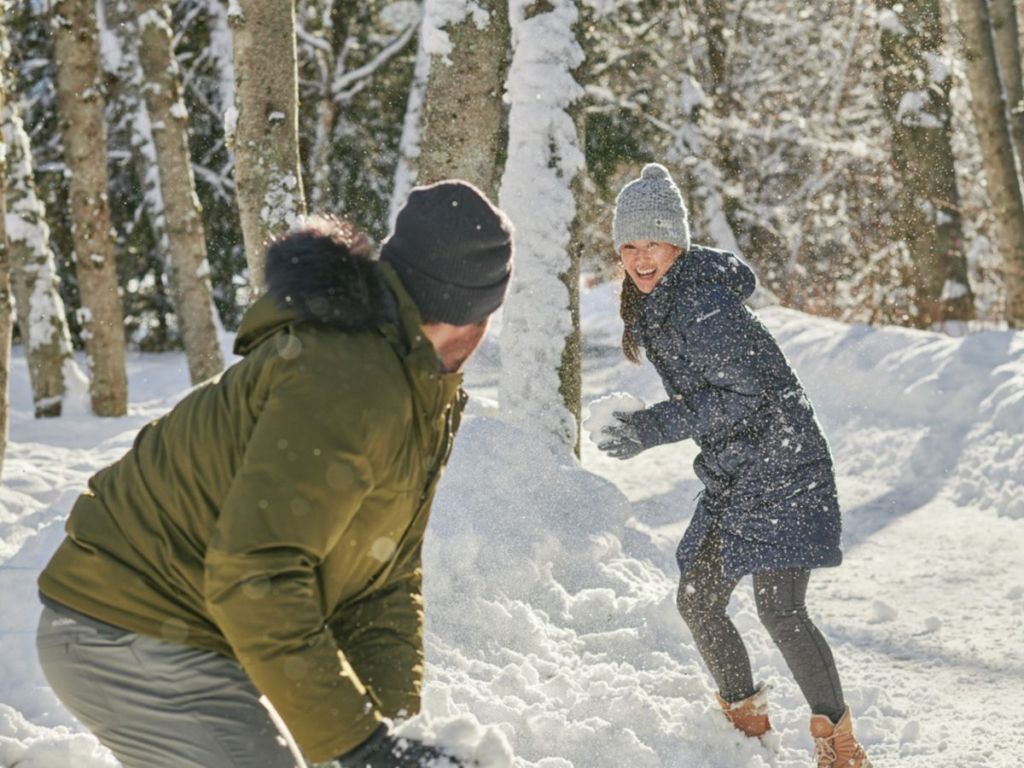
(769, 507)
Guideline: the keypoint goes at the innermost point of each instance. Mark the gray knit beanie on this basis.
(651, 208)
(452, 250)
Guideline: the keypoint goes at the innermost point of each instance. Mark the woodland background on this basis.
(864, 157)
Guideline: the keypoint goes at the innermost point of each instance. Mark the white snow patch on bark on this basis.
(938, 67)
(438, 14)
(911, 111)
(280, 211)
(230, 123)
(889, 21)
(151, 18)
(953, 289)
(400, 15)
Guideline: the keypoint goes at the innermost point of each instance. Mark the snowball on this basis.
(911, 732)
(882, 612)
(600, 412)
(932, 624)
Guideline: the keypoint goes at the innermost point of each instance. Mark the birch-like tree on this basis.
(40, 309)
(80, 103)
(991, 118)
(352, 70)
(1006, 37)
(539, 341)
(463, 114)
(6, 315)
(188, 267)
(263, 129)
(915, 97)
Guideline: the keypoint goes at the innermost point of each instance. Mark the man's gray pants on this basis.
(156, 704)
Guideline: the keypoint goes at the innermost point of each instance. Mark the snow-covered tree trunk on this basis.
(6, 314)
(263, 129)
(539, 329)
(189, 268)
(915, 97)
(463, 114)
(40, 309)
(988, 104)
(83, 131)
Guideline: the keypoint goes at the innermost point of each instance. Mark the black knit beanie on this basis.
(452, 250)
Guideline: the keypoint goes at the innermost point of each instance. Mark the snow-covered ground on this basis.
(552, 632)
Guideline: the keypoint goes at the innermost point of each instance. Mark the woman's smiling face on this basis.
(647, 261)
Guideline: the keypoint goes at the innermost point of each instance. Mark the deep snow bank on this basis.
(960, 401)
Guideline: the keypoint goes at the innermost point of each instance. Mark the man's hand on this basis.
(385, 750)
(623, 440)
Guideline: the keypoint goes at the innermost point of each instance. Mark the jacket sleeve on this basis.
(666, 422)
(383, 639)
(725, 343)
(302, 479)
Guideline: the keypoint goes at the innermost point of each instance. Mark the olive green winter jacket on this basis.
(277, 513)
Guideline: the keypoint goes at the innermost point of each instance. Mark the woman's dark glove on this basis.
(385, 750)
(622, 439)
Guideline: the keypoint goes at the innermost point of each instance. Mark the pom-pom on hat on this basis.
(452, 250)
(651, 208)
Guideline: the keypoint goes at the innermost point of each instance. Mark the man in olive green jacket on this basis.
(264, 537)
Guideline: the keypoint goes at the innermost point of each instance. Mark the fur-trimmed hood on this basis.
(316, 276)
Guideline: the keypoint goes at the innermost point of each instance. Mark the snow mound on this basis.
(26, 745)
(547, 618)
(930, 413)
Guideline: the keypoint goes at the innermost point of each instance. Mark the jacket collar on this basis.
(404, 331)
(655, 306)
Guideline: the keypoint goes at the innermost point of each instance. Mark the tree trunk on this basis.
(268, 178)
(1006, 36)
(540, 326)
(189, 268)
(751, 237)
(6, 315)
(463, 114)
(80, 104)
(990, 118)
(915, 97)
(41, 318)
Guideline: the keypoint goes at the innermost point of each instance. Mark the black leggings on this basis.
(703, 596)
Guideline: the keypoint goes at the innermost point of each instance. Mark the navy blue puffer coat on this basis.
(770, 489)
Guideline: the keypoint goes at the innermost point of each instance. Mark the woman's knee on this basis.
(696, 605)
(782, 619)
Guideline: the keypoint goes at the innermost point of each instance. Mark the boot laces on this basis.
(825, 752)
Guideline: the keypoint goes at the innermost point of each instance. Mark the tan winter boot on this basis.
(835, 746)
(750, 715)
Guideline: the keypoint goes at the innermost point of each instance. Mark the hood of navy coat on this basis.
(698, 268)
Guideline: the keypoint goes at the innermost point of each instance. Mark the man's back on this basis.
(300, 404)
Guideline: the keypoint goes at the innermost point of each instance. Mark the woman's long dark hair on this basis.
(629, 309)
